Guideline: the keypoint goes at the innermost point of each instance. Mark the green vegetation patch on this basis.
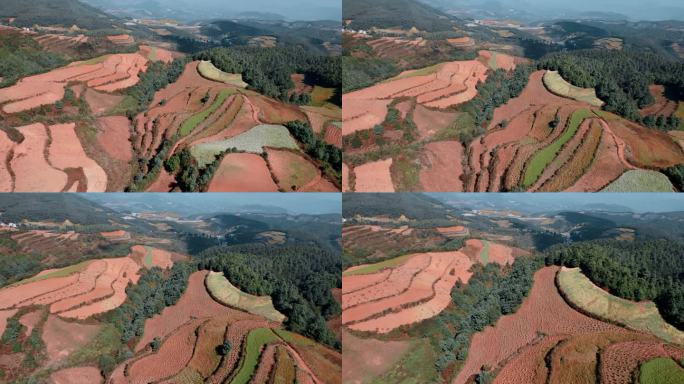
(377, 267)
(557, 85)
(419, 72)
(412, 368)
(661, 371)
(321, 95)
(190, 124)
(226, 293)
(642, 316)
(96, 60)
(641, 180)
(256, 340)
(63, 272)
(542, 158)
(147, 261)
(680, 113)
(484, 255)
(254, 141)
(210, 72)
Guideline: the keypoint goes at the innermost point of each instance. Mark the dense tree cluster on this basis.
(157, 76)
(268, 71)
(676, 175)
(329, 155)
(299, 278)
(497, 90)
(156, 290)
(642, 270)
(490, 293)
(621, 78)
(21, 56)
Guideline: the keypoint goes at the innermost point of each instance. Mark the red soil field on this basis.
(528, 365)
(273, 112)
(462, 42)
(503, 61)
(619, 360)
(65, 151)
(114, 137)
(428, 295)
(116, 235)
(442, 167)
(361, 114)
(100, 102)
(472, 249)
(164, 183)
(121, 39)
(648, 148)
(79, 375)
(429, 122)
(355, 283)
(116, 72)
(605, 169)
(160, 258)
(333, 135)
(292, 170)
(6, 180)
(195, 303)
(266, 364)
(30, 320)
(31, 169)
(243, 172)
(544, 310)
(173, 355)
(662, 106)
(4, 316)
(300, 85)
(160, 53)
(320, 185)
(62, 338)
(374, 177)
(345, 178)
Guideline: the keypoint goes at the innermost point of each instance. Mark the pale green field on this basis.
(640, 180)
(643, 316)
(253, 141)
(557, 85)
(226, 293)
(210, 72)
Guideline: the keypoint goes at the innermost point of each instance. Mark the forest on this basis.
(268, 71)
(641, 270)
(499, 87)
(299, 279)
(329, 155)
(489, 294)
(621, 78)
(22, 56)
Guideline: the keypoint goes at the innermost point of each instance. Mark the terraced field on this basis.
(546, 340)
(79, 291)
(226, 293)
(406, 290)
(553, 137)
(209, 71)
(260, 351)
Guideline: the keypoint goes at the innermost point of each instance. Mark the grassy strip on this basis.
(190, 124)
(542, 158)
(372, 268)
(557, 85)
(644, 316)
(661, 370)
(484, 255)
(226, 293)
(256, 339)
(148, 257)
(63, 272)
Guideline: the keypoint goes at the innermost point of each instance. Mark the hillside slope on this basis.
(63, 12)
(403, 14)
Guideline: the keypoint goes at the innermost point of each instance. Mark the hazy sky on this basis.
(635, 9)
(292, 9)
(636, 202)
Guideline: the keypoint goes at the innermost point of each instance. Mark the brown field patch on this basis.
(31, 169)
(30, 320)
(62, 337)
(292, 170)
(361, 114)
(100, 102)
(374, 177)
(78, 375)
(66, 151)
(114, 137)
(429, 122)
(345, 178)
(442, 167)
(243, 172)
(365, 358)
(4, 316)
(333, 135)
(648, 148)
(164, 183)
(662, 106)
